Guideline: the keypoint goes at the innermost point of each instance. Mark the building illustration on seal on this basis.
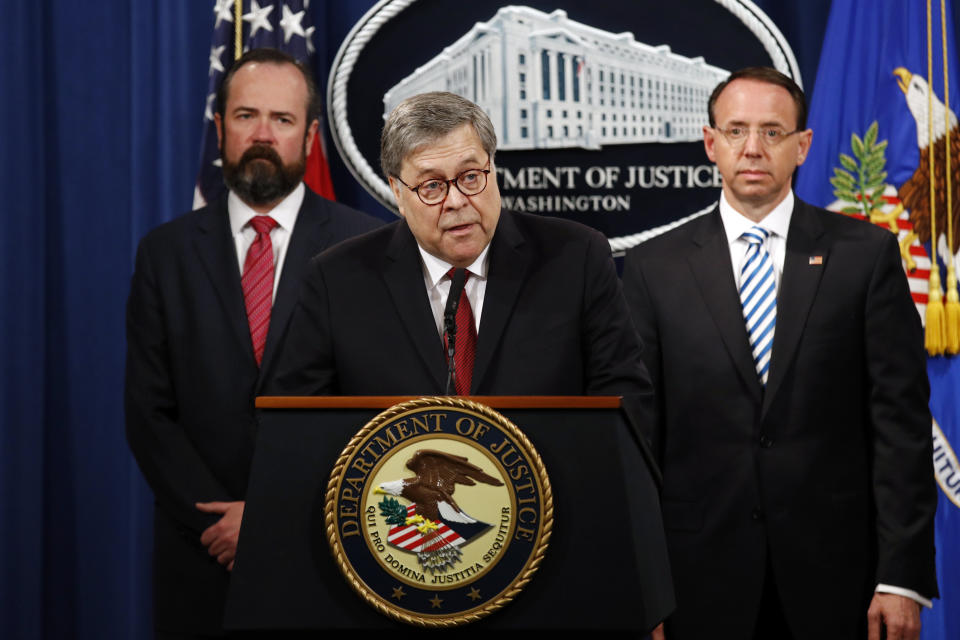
(547, 81)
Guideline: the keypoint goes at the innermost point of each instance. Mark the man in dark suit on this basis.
(547, 315)
(541, 311)
(208, 311)
(791, 419)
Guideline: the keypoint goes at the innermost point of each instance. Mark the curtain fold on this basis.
(101, 111)
(22, 322)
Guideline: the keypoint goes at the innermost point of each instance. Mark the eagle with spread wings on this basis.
(915, 192)
(432, 489)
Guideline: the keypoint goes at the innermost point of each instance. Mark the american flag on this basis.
(918, 266)
(408, 536)
(283, 25)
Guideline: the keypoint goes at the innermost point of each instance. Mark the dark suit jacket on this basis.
(554, 321)
(828, 468)
(190, 383)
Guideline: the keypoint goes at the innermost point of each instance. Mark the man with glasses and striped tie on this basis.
(791, 420)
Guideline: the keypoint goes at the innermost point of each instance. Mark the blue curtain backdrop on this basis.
(101, 113)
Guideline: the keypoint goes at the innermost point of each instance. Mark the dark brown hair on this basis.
(770, 76)
(272, 56)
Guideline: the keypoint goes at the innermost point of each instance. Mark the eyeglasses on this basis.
(435, 190)
(769, 136)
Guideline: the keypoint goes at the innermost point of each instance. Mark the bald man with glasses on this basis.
(791, 418)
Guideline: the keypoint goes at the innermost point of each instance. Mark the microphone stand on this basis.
(450, 326)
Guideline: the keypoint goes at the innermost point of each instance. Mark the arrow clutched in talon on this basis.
(428, 525)
(890, 219)
(905, 243)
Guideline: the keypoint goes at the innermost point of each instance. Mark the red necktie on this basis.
(257, 283)
(466, 342)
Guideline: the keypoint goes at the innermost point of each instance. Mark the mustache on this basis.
(261, 183)
(260, 152)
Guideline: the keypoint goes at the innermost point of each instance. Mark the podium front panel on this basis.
(606, 566)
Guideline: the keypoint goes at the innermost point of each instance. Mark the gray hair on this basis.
(425, 118)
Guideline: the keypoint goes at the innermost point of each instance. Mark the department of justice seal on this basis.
(438, 511)
(599, 107)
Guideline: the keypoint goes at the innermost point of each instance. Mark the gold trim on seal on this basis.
(507, 592)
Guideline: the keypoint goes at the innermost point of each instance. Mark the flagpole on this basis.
(952, 320)
(934, 325)
(238, 28)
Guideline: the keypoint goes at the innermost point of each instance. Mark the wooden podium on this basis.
(606, 567)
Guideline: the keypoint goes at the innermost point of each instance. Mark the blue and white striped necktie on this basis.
(758, 297)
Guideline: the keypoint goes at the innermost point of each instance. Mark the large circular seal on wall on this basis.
(598, 106)
(438, 511)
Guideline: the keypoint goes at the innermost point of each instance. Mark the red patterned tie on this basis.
(257, 283)
(466, 342)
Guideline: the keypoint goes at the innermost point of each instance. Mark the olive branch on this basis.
(393, 511)
(862, 179)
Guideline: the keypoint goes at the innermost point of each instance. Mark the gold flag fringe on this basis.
(951, 320)
(934, 338)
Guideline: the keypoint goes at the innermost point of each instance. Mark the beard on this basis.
(260, 178)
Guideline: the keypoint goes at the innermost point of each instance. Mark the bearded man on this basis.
(209, 304)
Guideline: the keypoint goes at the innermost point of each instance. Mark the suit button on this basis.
(757, 514)
(765, 442)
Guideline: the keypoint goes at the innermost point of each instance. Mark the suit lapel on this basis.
(308, 237)
(403, 273)
(713, 272)
(508, 270)
(798, 287)
(218, 255)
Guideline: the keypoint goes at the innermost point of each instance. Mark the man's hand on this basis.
(899, 614)
(657, 634)
(220, 539)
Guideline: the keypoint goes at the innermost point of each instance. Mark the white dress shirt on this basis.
(777, 222)
(285, 213)
(438, 285)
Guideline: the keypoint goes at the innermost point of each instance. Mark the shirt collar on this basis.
(735, 223)
(285, 213)
(435, 268)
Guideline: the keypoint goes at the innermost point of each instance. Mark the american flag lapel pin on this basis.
(818, 260)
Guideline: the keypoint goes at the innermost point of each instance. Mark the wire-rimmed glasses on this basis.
(769, 136)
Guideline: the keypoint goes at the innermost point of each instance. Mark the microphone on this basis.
(450, 324)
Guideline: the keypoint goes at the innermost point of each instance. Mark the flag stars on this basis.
(435, 602)
(208, 110)
(291, 24)
(224, 11)
(258, 18)
(215, 63)
(308, 35)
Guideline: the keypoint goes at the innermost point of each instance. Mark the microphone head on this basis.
(457, 281)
